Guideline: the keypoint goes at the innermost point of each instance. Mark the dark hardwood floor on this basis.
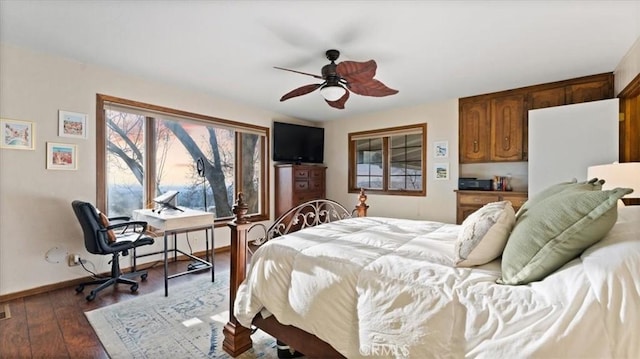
(53, 324)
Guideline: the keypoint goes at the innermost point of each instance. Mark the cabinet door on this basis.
(547, 98)
(474, 132)
(507, 124)
(590, 91)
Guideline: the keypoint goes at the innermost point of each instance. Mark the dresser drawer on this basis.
(478, 199)
(316, 186)
(301, 186)
(317, 174)
(304, 197)
(301, 173)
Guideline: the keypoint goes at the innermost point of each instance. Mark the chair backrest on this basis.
(94, 240)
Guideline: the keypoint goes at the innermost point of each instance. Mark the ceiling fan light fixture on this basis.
(332, 92)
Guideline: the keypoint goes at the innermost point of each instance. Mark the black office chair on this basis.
(131, 234)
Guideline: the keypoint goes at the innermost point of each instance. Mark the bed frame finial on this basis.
(240, 209)
(361, 207)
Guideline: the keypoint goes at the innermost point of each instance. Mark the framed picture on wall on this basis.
(17, 135)
(441, 171)
(441, 149)
(72, 124)
(62, 156)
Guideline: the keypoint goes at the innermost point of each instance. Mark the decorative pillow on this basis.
(573, 185)
(484, 234)
(111, 236)
(557, 230)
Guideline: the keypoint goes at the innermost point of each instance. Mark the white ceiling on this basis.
(428, 50)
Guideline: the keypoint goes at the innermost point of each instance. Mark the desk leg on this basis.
(213, 254)
(166, 267)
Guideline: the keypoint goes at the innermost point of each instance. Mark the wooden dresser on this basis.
(470, 201)
(296, 184)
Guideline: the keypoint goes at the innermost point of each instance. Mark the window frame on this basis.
(384, 134)
(150, 148)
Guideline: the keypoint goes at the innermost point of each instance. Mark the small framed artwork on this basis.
(17, 135)
(62, 156)
(72, 124)
(441, 171)
(441, 149)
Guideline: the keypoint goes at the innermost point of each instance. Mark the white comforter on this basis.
(382, 287)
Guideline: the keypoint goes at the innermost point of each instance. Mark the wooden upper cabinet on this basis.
(474, 132)
(547, 98)
(590, 91)
(507, 122)
(494, 127)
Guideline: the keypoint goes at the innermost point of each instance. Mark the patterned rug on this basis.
(186, 324)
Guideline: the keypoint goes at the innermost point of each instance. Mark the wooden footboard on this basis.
(237, 339)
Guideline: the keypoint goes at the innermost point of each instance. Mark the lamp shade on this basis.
(626, 175)
(332, 92)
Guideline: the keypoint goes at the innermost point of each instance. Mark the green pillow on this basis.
(591, 185)
(555, 231)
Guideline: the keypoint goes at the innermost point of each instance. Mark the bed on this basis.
(346, 285)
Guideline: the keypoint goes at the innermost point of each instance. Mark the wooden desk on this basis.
(174, 222)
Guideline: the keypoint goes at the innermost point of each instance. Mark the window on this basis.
(389, 161)
(145, 150)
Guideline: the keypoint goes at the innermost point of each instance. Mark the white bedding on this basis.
(382, 287)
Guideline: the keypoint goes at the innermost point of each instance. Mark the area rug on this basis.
(186, 324)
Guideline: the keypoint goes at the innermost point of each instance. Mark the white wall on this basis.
(628, 68)
(442, 125)
(35, 205)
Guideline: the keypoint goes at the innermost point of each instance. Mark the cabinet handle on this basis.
(475, 146)
(506, 143)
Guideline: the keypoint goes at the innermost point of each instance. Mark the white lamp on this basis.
(626, 175)
(332, 92)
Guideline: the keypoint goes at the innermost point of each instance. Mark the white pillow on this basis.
(484, 234)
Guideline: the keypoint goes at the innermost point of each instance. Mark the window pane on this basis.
(369, 163)
(179, 145)
(369, 182)
(124, 163)
(406, 162)
(251, 171)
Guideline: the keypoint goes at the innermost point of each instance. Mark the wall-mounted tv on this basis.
(297, 143)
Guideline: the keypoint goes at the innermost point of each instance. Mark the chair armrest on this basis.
(126, 225)
(120, 218)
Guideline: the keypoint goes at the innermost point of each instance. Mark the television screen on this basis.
(297, 143)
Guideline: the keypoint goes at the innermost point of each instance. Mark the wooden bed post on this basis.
(361, 207)
(237, 339)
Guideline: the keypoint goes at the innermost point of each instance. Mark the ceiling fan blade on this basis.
(300, 91)
(354, 71)
(298, 72)
(372, 87)
(339, 103)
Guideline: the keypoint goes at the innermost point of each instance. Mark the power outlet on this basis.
(74, 259)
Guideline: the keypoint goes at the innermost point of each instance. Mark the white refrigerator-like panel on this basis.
(565, 140)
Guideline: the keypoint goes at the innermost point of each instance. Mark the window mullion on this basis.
(150, 125)
(386, 162)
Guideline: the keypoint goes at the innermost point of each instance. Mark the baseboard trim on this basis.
(77, 281)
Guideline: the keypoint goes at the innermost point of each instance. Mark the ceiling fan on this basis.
(342, 78)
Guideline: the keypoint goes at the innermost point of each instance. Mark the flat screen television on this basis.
(297, 143)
